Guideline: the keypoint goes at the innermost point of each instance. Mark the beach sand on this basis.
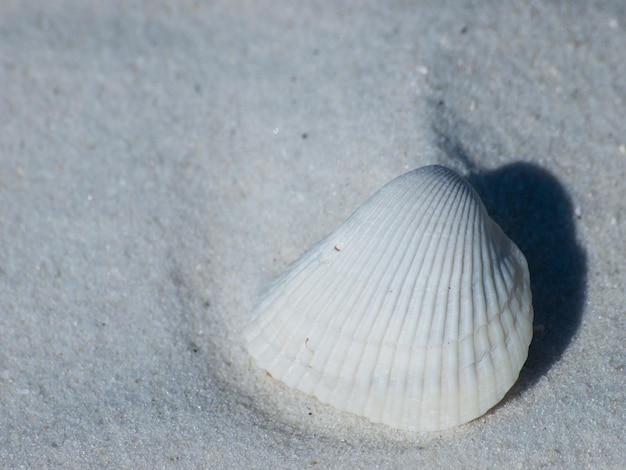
(162, 162)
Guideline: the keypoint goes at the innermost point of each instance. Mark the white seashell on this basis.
(416, 312)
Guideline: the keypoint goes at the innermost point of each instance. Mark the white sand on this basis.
(160, 164)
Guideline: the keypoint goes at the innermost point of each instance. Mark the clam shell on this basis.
(416, 312)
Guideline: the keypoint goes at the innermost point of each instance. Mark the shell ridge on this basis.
(293, 283)
(313, 253)
(381, 371)
(465, 355)
(274, 300)
(461, 187)
(426, 263)
(428, 268)
(376, 302)
(465, 394)
(450, 377)
(420, 252)
(437, 335)
(515, 340)
(385, 334)
(369, 290)
(504, 330)
(443, 285)
(479, 307)
(412, 197)
(337, 303)
(416, 301)
(275, 305)
(485, 363)
(432, 388)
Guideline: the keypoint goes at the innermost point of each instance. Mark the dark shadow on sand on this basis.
(536, 212)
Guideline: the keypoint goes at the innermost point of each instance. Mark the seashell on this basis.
(416, 312)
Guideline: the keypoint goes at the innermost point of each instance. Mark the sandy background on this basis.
(162, 162)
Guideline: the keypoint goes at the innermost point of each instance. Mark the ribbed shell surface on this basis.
(416, 312)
